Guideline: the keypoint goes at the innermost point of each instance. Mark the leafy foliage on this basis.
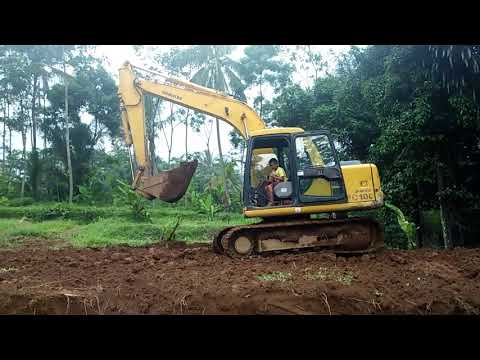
(411, 110)
(134, 201)
(407, 227)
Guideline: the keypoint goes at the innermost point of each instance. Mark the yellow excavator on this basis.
(316, 182)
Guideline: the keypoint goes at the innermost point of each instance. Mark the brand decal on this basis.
(172, 95)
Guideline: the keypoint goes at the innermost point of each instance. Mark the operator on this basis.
(276, 176)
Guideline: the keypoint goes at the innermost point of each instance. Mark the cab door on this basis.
(318, 173)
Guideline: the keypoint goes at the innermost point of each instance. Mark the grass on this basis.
(113, 227)
(323, 274)
(331, 274)
(275, 276)
(12, 229)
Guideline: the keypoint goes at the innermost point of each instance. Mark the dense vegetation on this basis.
(412, 110)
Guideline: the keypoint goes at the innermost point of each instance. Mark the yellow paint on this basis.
(131, 92)
(361, 193)
(274, 131)
(314, 209)
(312, 150)
(319, 187)
(133, 116)
(359, 182)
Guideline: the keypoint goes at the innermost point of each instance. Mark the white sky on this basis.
(116, 55)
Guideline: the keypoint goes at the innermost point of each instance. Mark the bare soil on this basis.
(192, 279)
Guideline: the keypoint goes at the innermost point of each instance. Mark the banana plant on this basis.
(134, 201)
(208, 206)
(409, 228)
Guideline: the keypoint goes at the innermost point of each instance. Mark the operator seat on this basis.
(282, 192)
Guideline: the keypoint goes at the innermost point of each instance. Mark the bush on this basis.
(64, 211)
(205, 204)
(61, 211)
(21, 202)
(409, 228)
(134, 201)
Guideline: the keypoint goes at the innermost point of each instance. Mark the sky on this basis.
(116, 55)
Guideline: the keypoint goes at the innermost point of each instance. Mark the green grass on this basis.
(112, 227)
(12, 229)
(275, 276)
(330, 274)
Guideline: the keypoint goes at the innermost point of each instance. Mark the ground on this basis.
(48, 277)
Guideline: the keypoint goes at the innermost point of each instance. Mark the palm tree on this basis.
(216, 70)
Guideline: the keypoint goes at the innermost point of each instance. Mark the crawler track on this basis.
(351, 235)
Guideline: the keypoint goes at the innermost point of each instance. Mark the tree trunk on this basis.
(444, 211)
(222, 163)
(4, 133)
(44, 135)
(208, 134)
(186, 145)
(169, 143)
(310, 56)
(9, 130)
(9, 178)
(186, 135)
(9, 141)
(219, 86)
(261, 98)
(35, 164)
(67, 139)
(418, 217)
(171, 140)
(24, 152)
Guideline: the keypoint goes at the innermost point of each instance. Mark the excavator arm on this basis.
(171, 185)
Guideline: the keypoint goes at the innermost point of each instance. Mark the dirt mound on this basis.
(193, 280)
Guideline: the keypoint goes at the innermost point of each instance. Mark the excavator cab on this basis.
(311, 165)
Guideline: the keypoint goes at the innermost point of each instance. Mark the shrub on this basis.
(135, 202)
(205, 204)
(4, 201)
(64, 211)
(407, 227)
(21, 202)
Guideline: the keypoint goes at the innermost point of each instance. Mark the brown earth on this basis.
(193, 280)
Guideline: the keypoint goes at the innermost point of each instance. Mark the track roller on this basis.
(240, 245)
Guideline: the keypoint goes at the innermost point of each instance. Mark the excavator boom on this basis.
(171, 185)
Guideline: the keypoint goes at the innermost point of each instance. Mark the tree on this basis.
(400, 107)
(204, 125)
(215, 69)
(67, 136)
(307, 61)
(259, 67)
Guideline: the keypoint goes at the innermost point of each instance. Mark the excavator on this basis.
(310, 207)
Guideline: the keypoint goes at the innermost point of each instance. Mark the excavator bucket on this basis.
(169, 186)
